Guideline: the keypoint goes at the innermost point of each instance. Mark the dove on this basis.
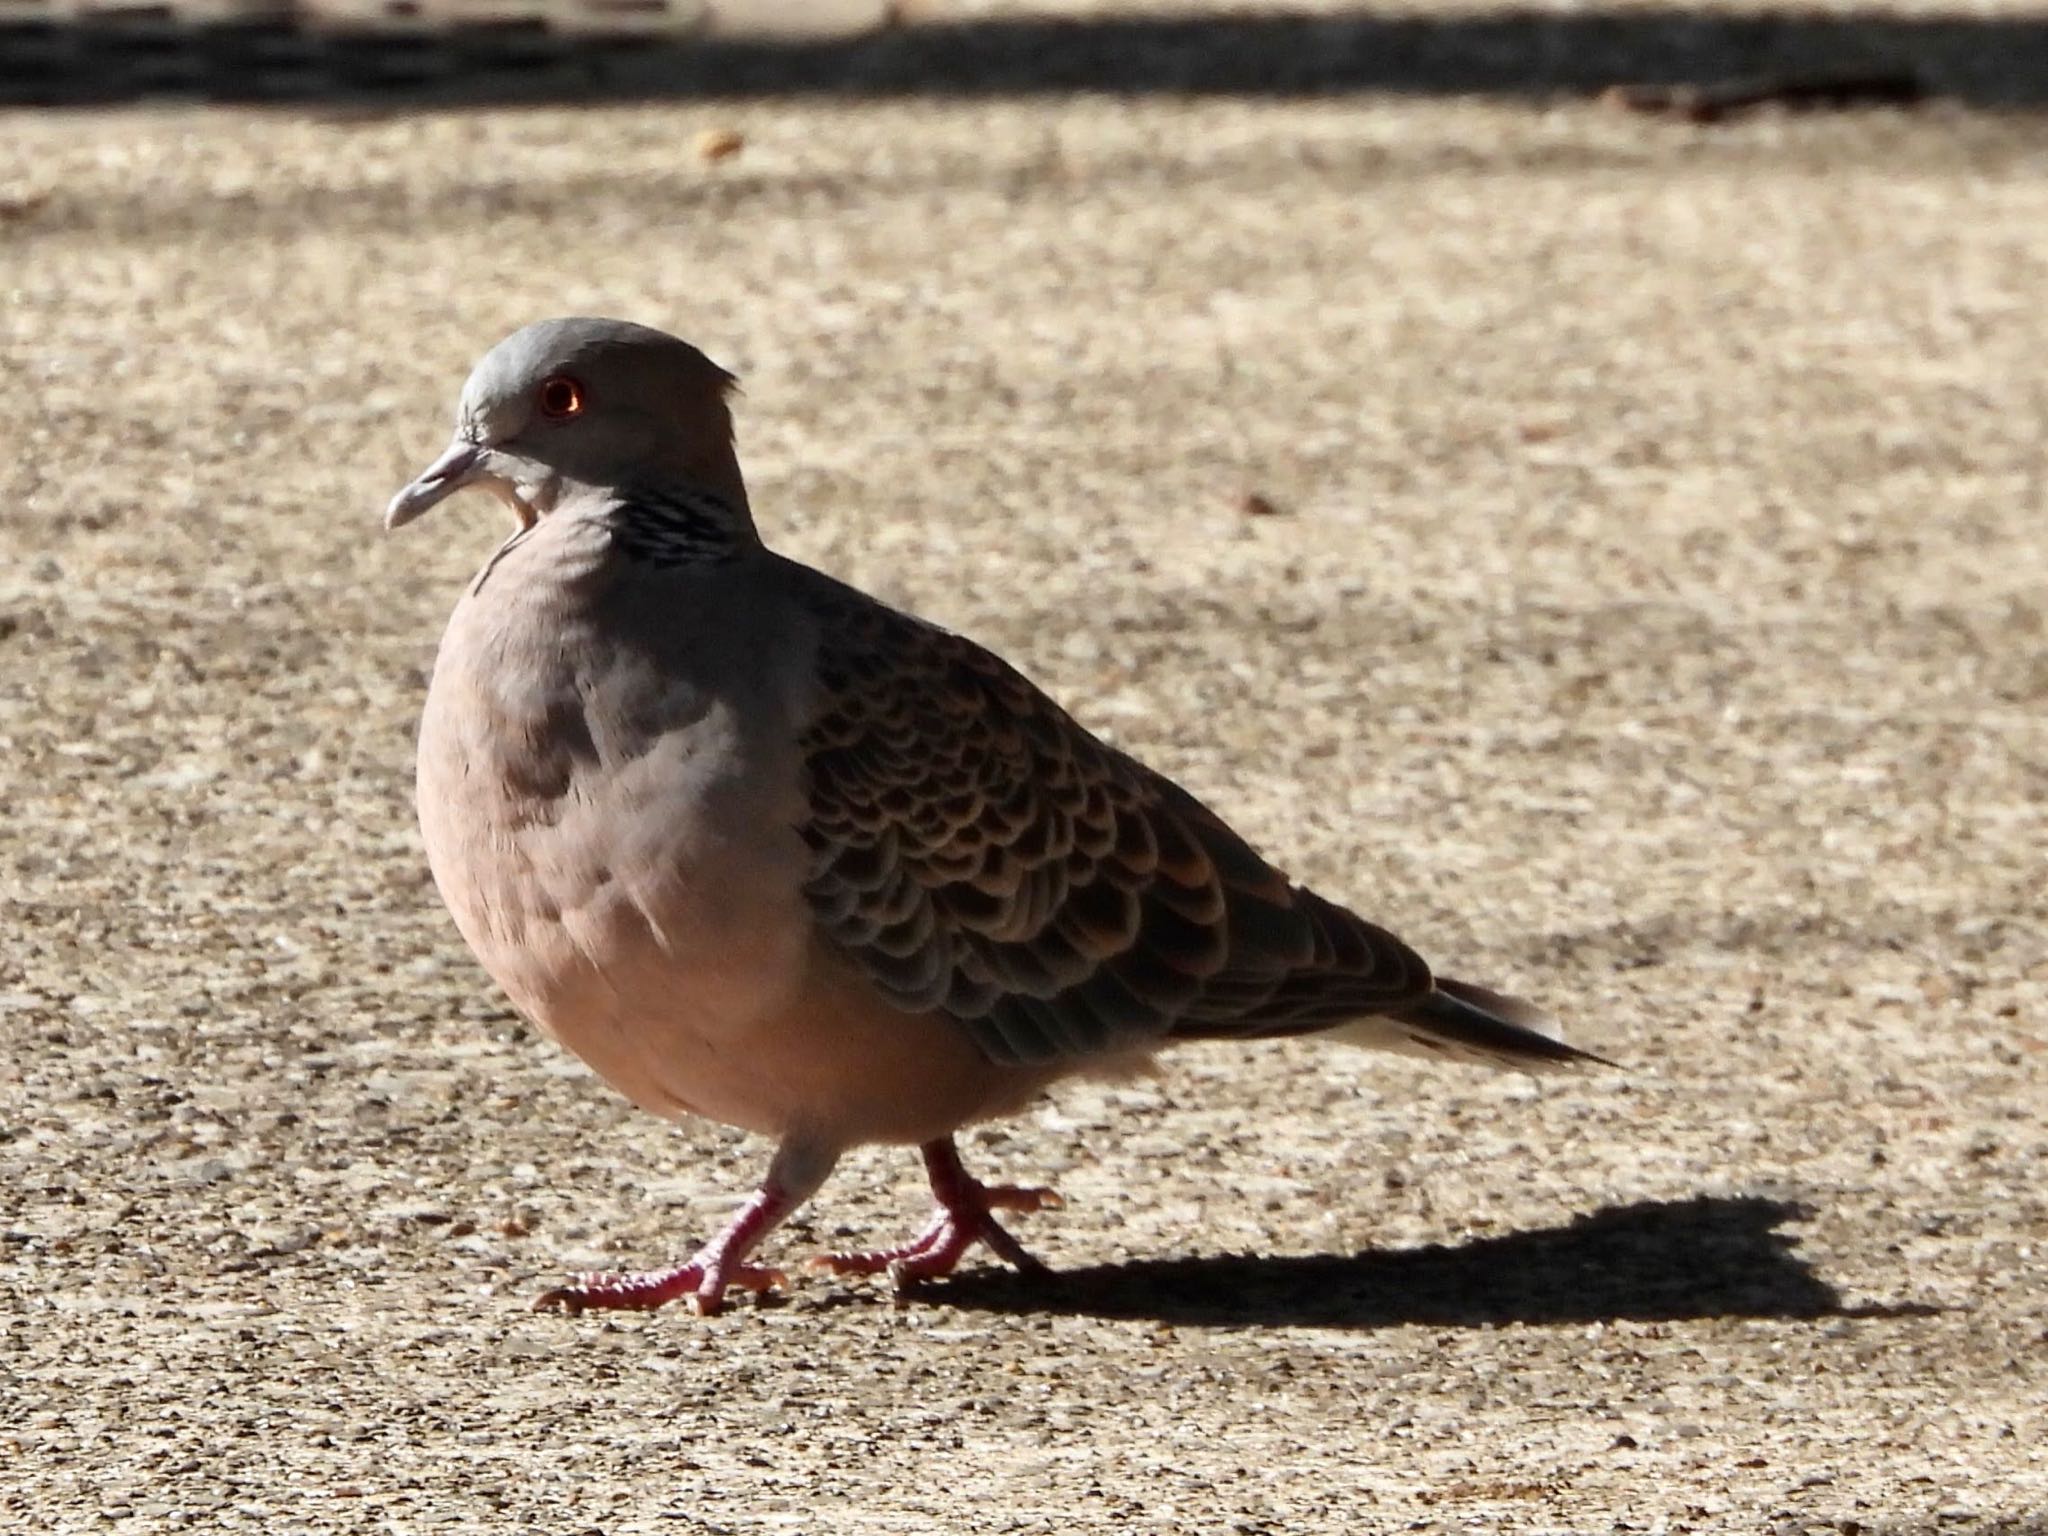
(761, 849)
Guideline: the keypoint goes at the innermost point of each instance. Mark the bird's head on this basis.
(582, 402)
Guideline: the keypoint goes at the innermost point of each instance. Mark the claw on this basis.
(701, 1288)
(702, 1280)
(965, 1216)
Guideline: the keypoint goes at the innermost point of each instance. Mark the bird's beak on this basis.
(463, 464)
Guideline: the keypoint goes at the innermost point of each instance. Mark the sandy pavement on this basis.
(1651, 621)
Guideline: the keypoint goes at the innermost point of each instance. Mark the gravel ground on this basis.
(1649, 618)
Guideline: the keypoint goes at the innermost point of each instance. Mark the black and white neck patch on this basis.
(676, 527)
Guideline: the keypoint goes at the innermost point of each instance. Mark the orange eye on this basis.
(561, 397)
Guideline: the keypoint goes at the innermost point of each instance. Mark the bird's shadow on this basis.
(1651, 1261)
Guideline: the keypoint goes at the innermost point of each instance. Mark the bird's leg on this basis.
(703, 1279)
(965, 1216)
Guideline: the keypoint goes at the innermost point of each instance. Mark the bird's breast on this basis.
(611, 818)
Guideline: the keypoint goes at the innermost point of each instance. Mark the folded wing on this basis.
(978, 852)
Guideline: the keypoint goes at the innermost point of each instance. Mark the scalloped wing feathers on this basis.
(978, 852)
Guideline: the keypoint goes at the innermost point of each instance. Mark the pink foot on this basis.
(701, 1286)
(702, 1280)
(965, 1216)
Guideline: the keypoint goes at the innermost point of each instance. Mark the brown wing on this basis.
(976, 851)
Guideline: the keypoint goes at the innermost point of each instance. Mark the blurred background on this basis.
(1566, 480)
(535, 50)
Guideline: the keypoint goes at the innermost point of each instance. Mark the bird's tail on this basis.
(1474, 1024)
